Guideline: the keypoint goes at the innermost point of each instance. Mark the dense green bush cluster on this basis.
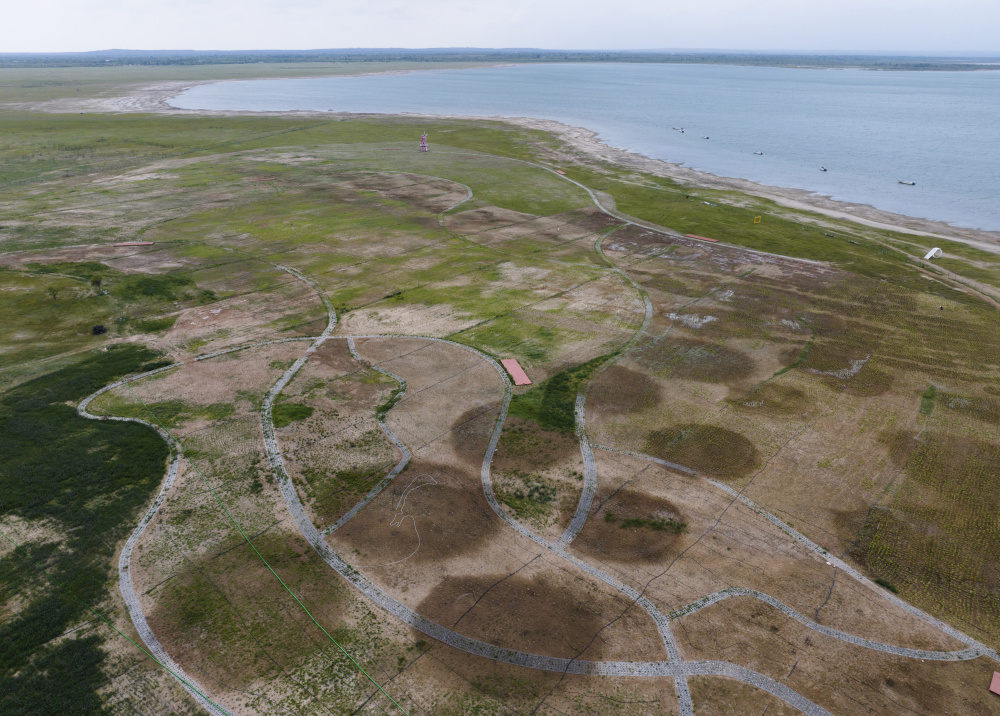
(167, 287)
(89, 478)
(285, 414)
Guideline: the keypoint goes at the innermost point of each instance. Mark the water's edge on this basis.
(593, 144)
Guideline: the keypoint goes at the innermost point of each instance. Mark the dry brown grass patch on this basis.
(446, 518)
(696, 360)
(775, 399)
(470, 434)
(230, 618)
(606, 535)
(706, 448)
(539, 614)
(619, 390)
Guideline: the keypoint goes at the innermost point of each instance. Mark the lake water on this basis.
(869, 129)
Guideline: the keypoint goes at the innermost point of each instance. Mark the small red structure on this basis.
(995, 685)
(516, 372)
(559, 171)
(423, 142)
(135, 243)
(700, 238)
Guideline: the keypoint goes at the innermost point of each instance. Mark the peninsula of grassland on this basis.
(784, 445)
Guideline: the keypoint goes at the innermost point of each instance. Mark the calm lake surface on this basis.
(869, 129)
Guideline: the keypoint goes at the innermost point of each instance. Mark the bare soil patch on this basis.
(474, 221)
(696, 360)
(74, 254)
(336, 358)
(535, 614)
(441, 519)
(714, 696)
(608, 534)
(706, 448)
(438, 320)
(286, 311)
(591, 218)
(619, 390)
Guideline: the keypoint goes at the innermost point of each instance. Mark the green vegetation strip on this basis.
(266, 564)
(119, 631)
(552, 403)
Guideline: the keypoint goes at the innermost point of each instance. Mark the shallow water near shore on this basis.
(870, 130)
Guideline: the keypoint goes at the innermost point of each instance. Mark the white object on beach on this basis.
(933, 254)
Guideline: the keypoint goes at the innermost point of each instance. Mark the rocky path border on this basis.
(976, 648)
(400, 445)
(125, 585)
(716, 597)
(675, 668)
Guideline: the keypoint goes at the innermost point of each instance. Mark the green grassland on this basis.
(882, 331)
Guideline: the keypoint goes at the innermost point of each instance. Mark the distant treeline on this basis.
(192, 57)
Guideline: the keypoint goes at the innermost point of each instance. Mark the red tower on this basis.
(423, 142)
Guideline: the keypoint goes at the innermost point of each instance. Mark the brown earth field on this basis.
(789, 380)
(724, 697)
(724, 545)
(436, 534)
(845, 678)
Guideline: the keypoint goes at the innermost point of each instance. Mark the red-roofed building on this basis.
(516, 372)
(995, 686)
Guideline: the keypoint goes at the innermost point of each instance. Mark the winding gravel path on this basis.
(675, 668)
(125, 585)
(961, 655)
(404, 451)
(586, 452)
(650, 458)
(845, 567)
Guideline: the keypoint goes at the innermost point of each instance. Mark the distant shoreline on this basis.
(155, 99)
(907, 62)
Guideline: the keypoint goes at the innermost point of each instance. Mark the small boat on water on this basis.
(759, 154)
(908, 183)
(704, 137)
(822, 169)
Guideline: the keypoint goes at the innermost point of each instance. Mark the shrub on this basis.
(154, 325)
(169, 287)
(285, 414)
(886, 584)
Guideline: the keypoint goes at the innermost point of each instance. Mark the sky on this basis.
(932, 26)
